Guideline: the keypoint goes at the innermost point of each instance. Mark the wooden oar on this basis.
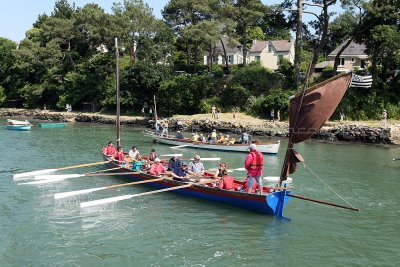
(87, 191)
(115, 199)
(33, 173)
(322, 202)
(396, 159)
(72, 175)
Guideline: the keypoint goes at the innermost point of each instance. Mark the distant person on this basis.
(226, 181)
(143, 112)
(152, 155)
(213, 112)
(272, 115)
(214, 135)
(157, 168)
(201, 138)
(384, 117)
(44, 107)
(244, 139)
(196, 167)
(157, 126)
(254, 164)
(218, 113)
(179, 135)
(341, 115)
(150, 112)
(133, 152)
(138, 163)
(278, 115)
(109, 150)
(164, 126)
(195, 137)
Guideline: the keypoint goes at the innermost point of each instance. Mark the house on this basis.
(233, 50)
(353, 57)
(270, 52)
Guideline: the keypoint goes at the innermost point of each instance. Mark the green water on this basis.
(171, 230)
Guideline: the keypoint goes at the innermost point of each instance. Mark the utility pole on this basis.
(298, 45)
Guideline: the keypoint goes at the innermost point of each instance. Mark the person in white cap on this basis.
(254, 164)
(384, 117)
(196, 167)
(157, 168)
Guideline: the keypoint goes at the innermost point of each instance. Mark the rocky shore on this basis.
(348, 131)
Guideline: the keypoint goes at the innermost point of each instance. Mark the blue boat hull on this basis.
(270, 204)
(52, 125)
(19, 127)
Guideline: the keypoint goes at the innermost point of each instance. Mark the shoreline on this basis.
(333, 131)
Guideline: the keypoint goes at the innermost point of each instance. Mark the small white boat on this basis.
(15, 122)
(263, 147)
(18, 125)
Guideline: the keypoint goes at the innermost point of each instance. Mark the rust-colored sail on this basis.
(318, 105)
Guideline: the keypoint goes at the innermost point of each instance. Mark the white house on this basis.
(353, 56)
(233, 50)
(270, 52)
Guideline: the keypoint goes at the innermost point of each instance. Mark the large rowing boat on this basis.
(263, 147)
(270, 203)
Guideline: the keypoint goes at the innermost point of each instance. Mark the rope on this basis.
(316, 175)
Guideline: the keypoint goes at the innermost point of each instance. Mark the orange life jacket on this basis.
(257, 162)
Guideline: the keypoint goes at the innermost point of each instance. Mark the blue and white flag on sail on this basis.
(361, 81)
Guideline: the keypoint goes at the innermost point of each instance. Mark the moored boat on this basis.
(263, 147)
(52, 125)
(18, 125)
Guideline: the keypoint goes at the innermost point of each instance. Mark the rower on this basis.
(133, 152)
(179, 135)
(157, 168)
(196, 167)
(152, 155)
(109, 150)
(138, 163)
(119, 156)
(226, 181)
(181, 174)
(174, 164)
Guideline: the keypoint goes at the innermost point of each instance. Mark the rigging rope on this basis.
(316, 175)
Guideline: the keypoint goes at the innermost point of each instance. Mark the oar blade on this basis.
(179, 146)
(41, 182)
(77, 192)
(31, 174)
(209, 159)
(104, 201)
(171, 155)
(58, 177)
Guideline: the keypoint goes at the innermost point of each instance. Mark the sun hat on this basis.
(157, 160)
(197, 157)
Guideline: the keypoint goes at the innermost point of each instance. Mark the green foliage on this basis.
(218, 72)
(287, 69)
(237, 95)
(261, 106)
(2, 96)
(257, 79)
(183, 94)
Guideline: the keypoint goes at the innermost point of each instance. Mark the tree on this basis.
(7, 59)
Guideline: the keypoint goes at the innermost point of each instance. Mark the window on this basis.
(363, 63)
(341, 61)
(230, 59)
(352, 59)
(269, 48)
(279, 58)
(257, 58)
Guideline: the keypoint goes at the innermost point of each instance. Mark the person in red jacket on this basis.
(119, 155)
(109, 150)
(226, 181)
(254, 164)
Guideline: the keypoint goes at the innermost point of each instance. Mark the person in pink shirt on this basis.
(157, 168)
(254, 164)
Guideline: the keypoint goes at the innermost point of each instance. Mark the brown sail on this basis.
(317, 106)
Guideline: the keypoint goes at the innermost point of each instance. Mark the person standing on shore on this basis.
(254, 164)
(272, 115)
(384, 117)
(213, 112)
(341, 115)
